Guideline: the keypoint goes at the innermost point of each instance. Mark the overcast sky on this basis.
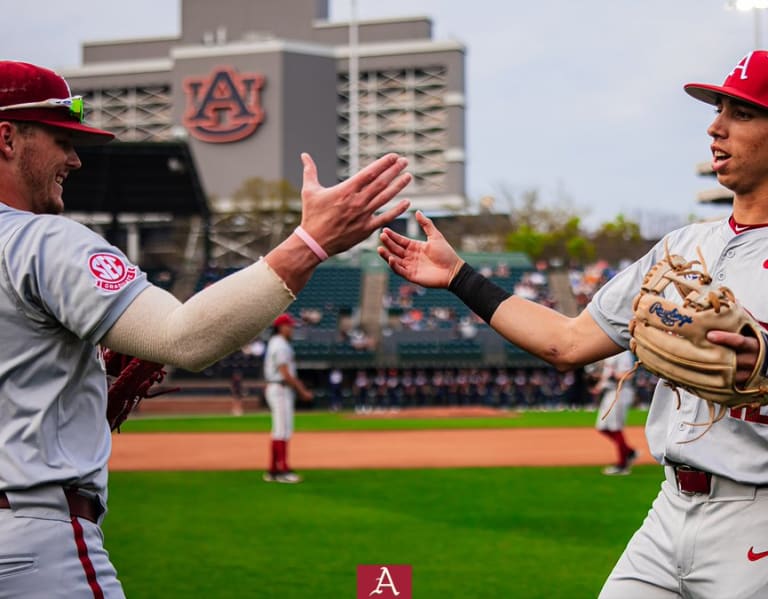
(582, 101)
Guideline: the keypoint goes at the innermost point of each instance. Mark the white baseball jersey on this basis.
(737, 446)
(62, 287)
(612, 411)
(279, 352)
(280, 397)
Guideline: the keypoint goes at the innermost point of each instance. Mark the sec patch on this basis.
(111, 271)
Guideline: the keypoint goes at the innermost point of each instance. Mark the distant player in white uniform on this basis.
(613, 410)
(282, 387)
(65, 291)
(706, 536)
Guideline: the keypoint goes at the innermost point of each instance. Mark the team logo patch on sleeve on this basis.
(110, 271)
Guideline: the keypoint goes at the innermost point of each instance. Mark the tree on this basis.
(547, 233)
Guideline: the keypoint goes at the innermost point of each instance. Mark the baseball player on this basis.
(282, 388)
(65, 291)
(706, 535)
(613, 410)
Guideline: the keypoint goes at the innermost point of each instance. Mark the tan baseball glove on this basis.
(130, 380)
(669, 335)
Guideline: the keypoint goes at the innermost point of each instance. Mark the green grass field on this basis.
(345, 421)
(467, 532)
(481, 533)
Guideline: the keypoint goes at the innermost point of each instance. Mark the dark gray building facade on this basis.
(252, 84)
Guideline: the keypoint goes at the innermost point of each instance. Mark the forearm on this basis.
(209, 326)
(564, 342)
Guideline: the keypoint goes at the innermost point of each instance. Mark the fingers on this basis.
(384, 253)
(734, 340)
(309, 173)
(384, 190)
(371, 173)
(394, 242)
(382, 219)
(394, 263)
(429, 228)
(387, 180)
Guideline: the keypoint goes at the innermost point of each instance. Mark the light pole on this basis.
(755, 6)
(354, 75)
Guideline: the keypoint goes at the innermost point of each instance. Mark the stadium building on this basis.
(251, 85)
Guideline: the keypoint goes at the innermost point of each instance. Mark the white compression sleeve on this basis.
(209, 326)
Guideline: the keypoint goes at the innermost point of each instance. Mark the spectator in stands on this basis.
(485, 388)
(393, 389)
(360, 340)
(462, 386)
(466, 328)
(311, 316)
(405, 295)
(438, 392)
(451, 387)
(503, 388)
(380, 389)
(536, 384)
(645, 383)
(577, 396)
(236, 391)
(521, 388)
(421, 382)
(362, 386)
(408, 388)
(335, 380)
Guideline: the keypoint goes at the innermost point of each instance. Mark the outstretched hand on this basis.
(430, 263)
(341, 216)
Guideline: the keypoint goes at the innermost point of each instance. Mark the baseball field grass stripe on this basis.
(345, 421)
(524, 533)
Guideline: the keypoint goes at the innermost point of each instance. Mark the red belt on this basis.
(79, 505)
(690, 480)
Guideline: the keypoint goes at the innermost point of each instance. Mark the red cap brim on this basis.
(711, 93)
(82, 135)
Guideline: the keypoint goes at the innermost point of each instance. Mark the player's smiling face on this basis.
(45, 158)
(740, 146)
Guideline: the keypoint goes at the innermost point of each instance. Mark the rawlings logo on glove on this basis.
(130, 380)
(669, 336)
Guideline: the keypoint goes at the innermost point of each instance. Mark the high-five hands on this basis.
(430, 263)
(341, 216)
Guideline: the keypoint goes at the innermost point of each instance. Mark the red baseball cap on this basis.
(748, 81)
(284, 319)
(22, 83)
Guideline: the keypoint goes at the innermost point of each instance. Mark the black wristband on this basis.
(478, 293)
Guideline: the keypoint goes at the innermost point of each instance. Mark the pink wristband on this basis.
(310, 241)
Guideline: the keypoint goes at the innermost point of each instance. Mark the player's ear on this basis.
(7, 137)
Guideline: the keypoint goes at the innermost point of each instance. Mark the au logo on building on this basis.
(384, 582)
(223, 106)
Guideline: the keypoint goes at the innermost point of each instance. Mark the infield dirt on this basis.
(373, 449)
